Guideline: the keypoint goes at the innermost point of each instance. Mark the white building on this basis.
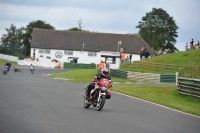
(84, 47)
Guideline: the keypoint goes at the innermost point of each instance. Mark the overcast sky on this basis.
(103, 16)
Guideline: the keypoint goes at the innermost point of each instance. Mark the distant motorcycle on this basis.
(5, 70)
(17, 70)
(99, 94)
(32, 71)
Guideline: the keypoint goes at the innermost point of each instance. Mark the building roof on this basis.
(86, 41)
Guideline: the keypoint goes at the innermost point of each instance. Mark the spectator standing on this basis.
(191, 45)
(130, 57)
(198, 44)
(146, 53)
(123, 57)
(192, 42)
(141, 53)
(186, 46)
(101, 65)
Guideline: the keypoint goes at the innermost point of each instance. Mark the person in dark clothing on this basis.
(102, 74)
(8, 64)
(141, 52)
(130, 56)
(146, 52)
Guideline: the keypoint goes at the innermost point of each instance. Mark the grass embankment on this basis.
(190, 59)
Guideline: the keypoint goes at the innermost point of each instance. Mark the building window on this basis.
(41, 51)
(67, 52)
(44, 51)
(92, 53)
(47, 51)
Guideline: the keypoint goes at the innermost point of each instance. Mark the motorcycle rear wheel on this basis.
(101, 103)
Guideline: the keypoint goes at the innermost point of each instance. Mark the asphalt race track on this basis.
(32, 103)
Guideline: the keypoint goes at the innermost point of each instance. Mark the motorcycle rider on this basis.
(102, 74)
(32, 68)
(15, 68)
(8, 64)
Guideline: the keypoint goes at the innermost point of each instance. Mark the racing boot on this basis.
(87, 94)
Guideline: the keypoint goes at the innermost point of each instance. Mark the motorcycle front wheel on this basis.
(86, 104)
(4, 72)
(101, 102)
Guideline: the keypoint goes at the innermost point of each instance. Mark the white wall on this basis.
(27, 62)
(9, 57)
(82, 57)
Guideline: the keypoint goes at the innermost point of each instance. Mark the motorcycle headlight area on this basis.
(104, 88)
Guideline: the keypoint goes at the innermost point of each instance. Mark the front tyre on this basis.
(101, 102)
(4, 72)
(86, 104)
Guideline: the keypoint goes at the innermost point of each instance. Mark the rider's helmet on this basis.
(104, 71)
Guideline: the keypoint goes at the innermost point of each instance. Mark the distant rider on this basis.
(8, 64)
(102, 74)
(15, 68)
(32, 68)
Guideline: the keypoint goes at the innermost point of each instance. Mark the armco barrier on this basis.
(168, 78)
(149, 77)
(189, 87)
(78, 65)
(118, 73)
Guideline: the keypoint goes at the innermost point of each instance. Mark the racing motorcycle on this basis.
(32, 71)
(99, 94)
(17, 70)
(5, 70)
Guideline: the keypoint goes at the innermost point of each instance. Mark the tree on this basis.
(158, 29)
(29, 30)
(80, 24)
(13, 40)
(75, 29)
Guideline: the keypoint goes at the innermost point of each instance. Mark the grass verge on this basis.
(3, 62)
(163, 95)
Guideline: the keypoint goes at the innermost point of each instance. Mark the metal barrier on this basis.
(149, 77)
(189, 87)
(168, 78)
(79, 65)
(118, 73)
